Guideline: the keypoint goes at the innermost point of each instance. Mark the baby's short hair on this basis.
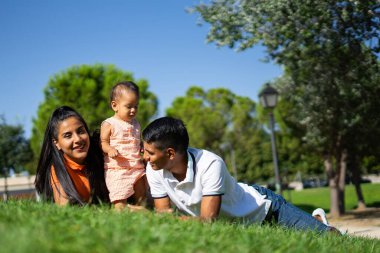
(120, 87)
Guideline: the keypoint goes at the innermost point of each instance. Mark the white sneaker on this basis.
(321, 213)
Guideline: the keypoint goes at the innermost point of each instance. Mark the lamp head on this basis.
(268, 96)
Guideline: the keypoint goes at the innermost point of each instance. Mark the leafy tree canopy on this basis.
(225, 123)
(14, 148)
(288, 25)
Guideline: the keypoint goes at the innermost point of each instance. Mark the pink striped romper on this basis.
(122, 171)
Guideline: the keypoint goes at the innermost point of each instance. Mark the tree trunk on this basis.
(336, 182)
(334, 208)
(341, 179)
(356, 176)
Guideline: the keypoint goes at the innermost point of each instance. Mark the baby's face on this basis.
(126, 106)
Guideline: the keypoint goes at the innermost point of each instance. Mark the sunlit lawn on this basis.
(27, 226)
(309, 199)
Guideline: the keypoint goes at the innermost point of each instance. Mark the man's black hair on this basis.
(167, 132)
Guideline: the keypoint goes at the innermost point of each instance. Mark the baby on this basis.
(121, 144)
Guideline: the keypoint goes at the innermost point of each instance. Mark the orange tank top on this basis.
(78, 177)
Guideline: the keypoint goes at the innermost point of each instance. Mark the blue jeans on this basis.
(288, 215)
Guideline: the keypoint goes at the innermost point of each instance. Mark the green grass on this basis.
(309, 199)
(27, 226)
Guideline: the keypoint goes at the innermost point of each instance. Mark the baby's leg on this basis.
(119, 187)
(120, 205)
(139, 197)
(140, 188)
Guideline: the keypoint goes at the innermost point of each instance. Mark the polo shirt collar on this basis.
(190, 173)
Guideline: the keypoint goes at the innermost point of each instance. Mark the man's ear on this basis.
(57, 144)
(170, 153)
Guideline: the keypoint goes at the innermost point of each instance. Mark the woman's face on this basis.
(73, 139)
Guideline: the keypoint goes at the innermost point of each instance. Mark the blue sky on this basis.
(155, 40)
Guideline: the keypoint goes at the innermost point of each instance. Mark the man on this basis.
(198, 183)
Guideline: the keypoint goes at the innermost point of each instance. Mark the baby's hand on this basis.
(113, 153)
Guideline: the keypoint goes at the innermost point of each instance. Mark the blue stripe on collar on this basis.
(194, 162)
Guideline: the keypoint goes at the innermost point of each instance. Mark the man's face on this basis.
(157, 158)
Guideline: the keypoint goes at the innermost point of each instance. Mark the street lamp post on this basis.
(268, 99)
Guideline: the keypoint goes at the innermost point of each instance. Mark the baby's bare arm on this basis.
(105, 133)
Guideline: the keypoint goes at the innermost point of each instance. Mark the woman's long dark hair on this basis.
(50, 155)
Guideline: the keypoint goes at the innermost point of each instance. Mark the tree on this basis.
(86, 88)
(14, 148)
(365, 134)
(339, 118)
(328, 49)
(225, 123)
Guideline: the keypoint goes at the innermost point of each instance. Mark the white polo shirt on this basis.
(208, 175)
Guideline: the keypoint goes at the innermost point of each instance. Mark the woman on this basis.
(70, 169)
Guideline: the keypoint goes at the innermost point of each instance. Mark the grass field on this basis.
(27, 226)
(309, 199)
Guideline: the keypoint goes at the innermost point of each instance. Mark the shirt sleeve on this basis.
(213, 179)
(155, 179)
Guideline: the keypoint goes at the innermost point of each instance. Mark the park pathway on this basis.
(364, 223)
